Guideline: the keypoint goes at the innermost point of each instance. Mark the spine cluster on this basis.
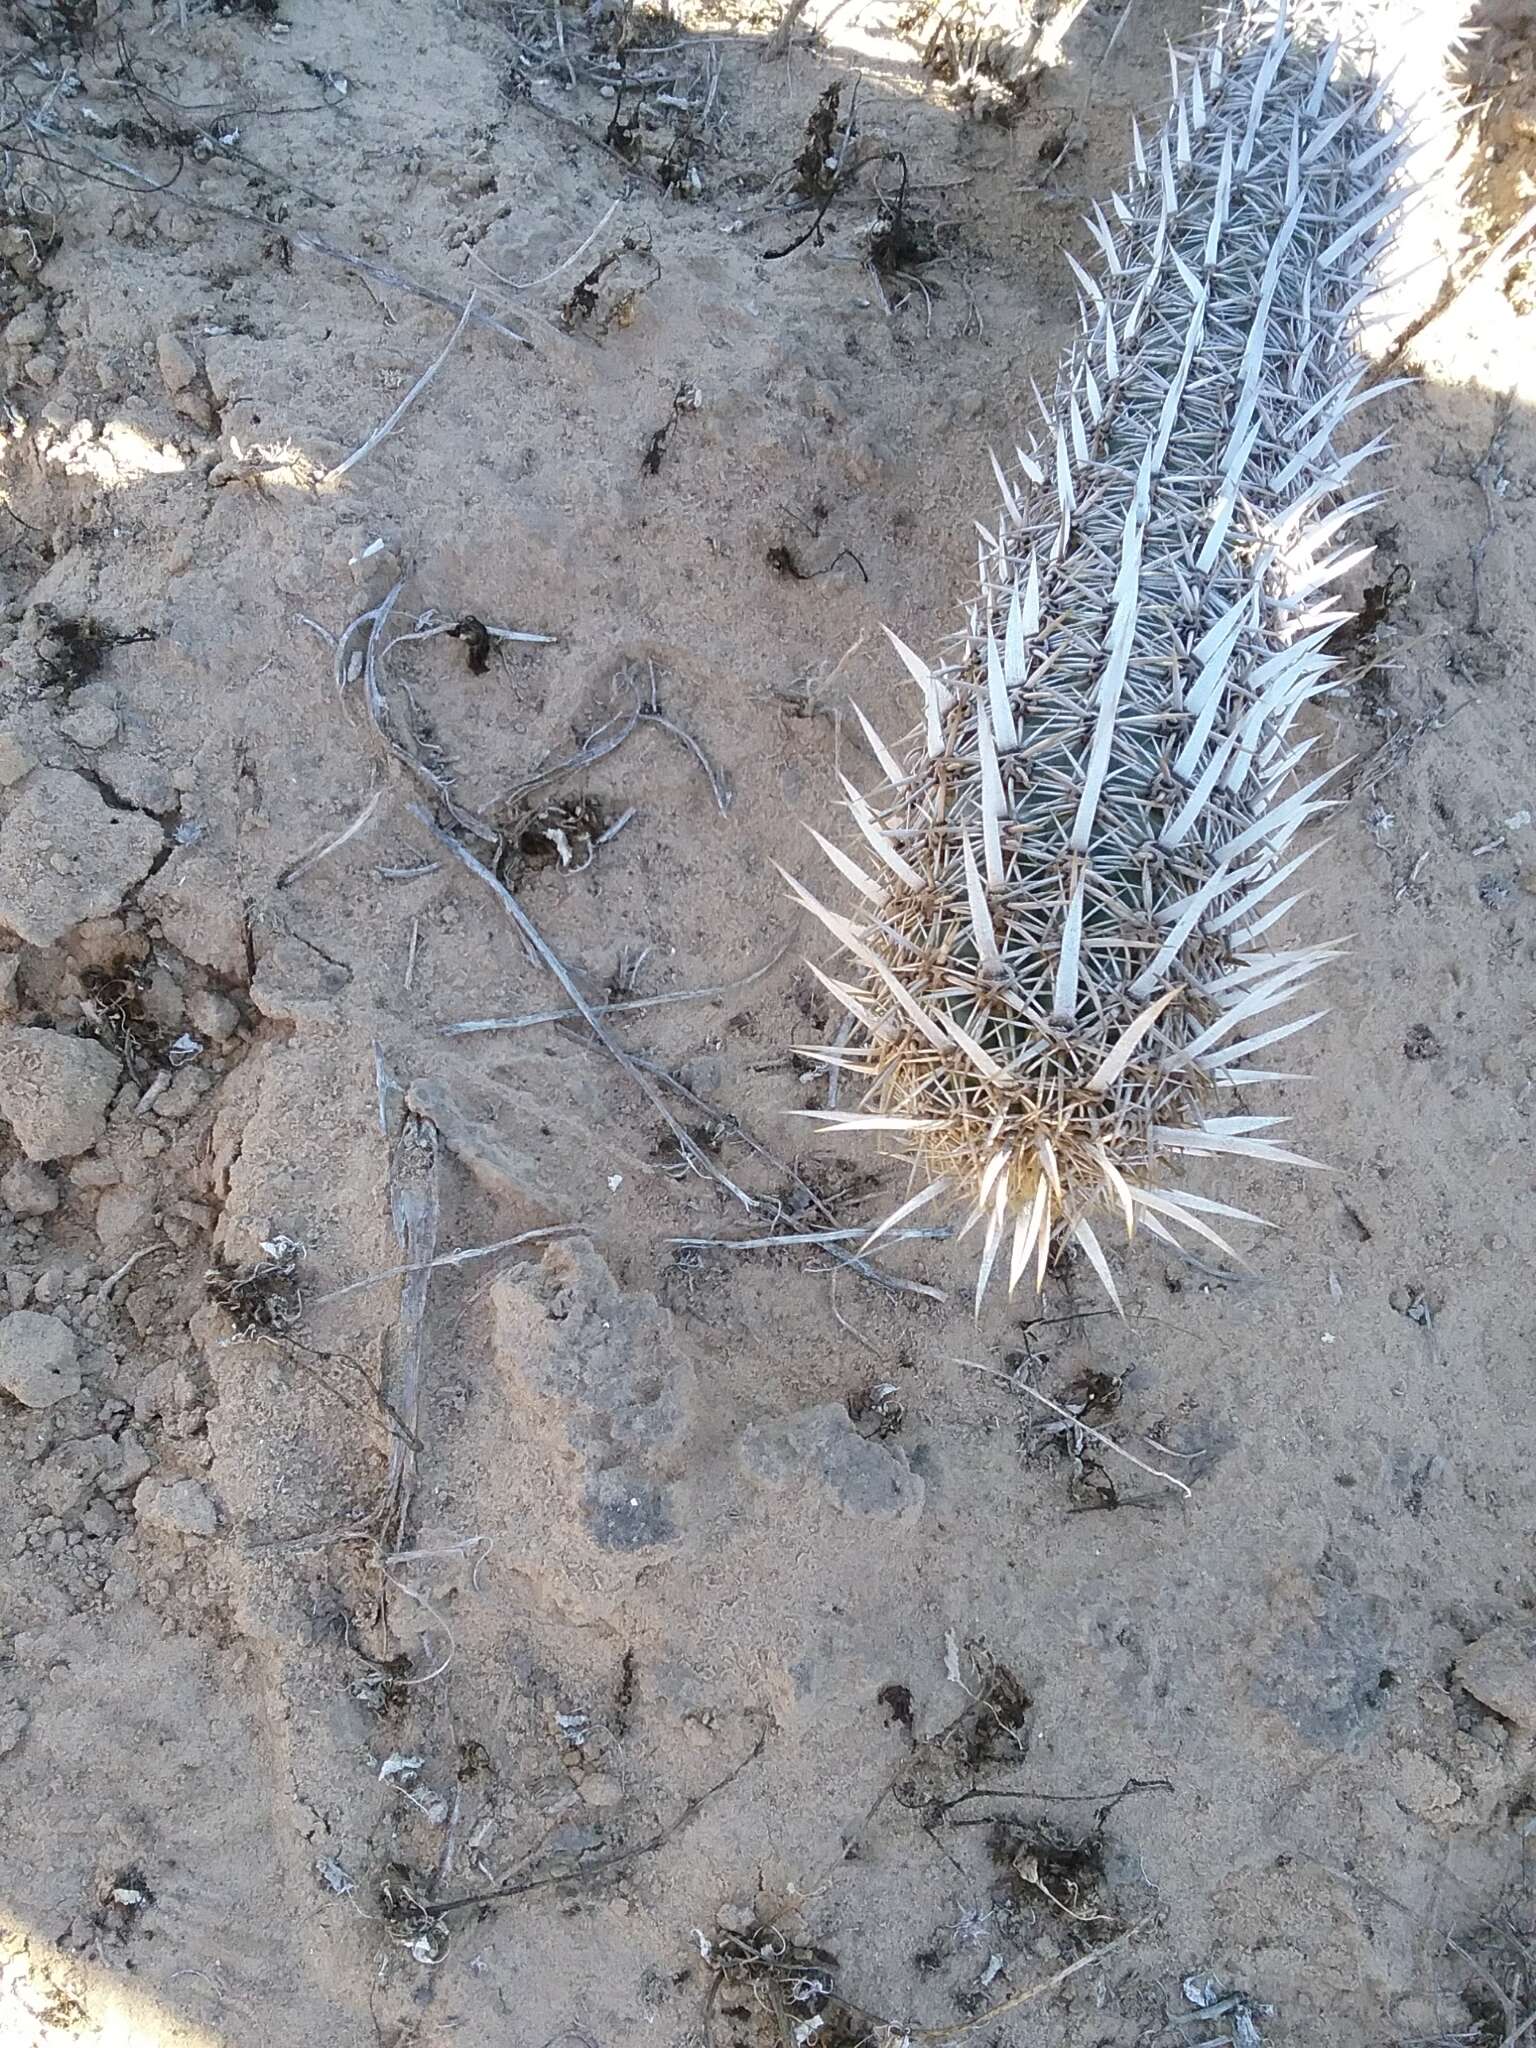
(1064, 962)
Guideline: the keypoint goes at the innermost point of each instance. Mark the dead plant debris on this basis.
(586, 295)
(264, 1299)
(687, 398)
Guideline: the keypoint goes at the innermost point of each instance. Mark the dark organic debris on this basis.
(1378, 601)
(476, 637)
(986, 54)
(565, 833)
(1067, 1871)
(816, 167)
(112, 1004)
(991, 1730)
(585, 297)
(783, 560)
(263, 1299)
(903, 241)
(825, 161)
(793, 1983)
(879, 1411)
(687, 398)
(71, 651)
(897, 1701)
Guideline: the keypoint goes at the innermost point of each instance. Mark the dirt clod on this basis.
(38, 1359)
(55, 1090)
(66, 856)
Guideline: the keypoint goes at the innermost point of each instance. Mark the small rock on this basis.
(137, 780)
(15, 760)
(55, 1091)
(65, 856)
(295, 981)
(600, 1788)
(178, 365)
(39, 1359)
(105, 945)
(212, 1016)
(27, 1190)
(161, 999)
(197, 901)
(176, 1507)
(94, 1173)
(734, 1919)
(18, 1286)
(29, 326)
(1499, 1670)
(123, 1218)
(134, 1464)
(14, 1721)
(92, 726)
(1421, 1786)
(184, 1094)
(1421, 1044)
(819, 1450)
(194, 407)
(503, 1169)
(65, 1481)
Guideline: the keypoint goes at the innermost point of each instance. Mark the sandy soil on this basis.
(705, 1583)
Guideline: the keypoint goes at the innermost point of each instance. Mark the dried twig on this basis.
(383, 431)
(312, 859)
(651, 714)
(414, 1211)
(435, 1265)
(648, 1847)
(782, 1240)
(528, 284)
(539, 946)
(677, 995)
(1022, 1386)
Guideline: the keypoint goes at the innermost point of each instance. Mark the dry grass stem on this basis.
(1022, 1386)
(313, 858)
(444, 1259)
(623, 1003)
(388, 426)
(539, 946)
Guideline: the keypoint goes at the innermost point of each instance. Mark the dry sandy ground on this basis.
(719, 1580)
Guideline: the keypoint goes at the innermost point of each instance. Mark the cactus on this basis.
(1068, 891)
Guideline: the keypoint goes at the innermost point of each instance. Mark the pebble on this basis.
(212, 1016)
(39, 1359)
(123, 1218)
(176, 1507)
(178, 365)
(55, 1091)
(92, 726)
(27, 1190)
(29, 326)
(15, 760)
(600, 1788)
(197, 901)
(94, 1172)
(1499, 1670)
